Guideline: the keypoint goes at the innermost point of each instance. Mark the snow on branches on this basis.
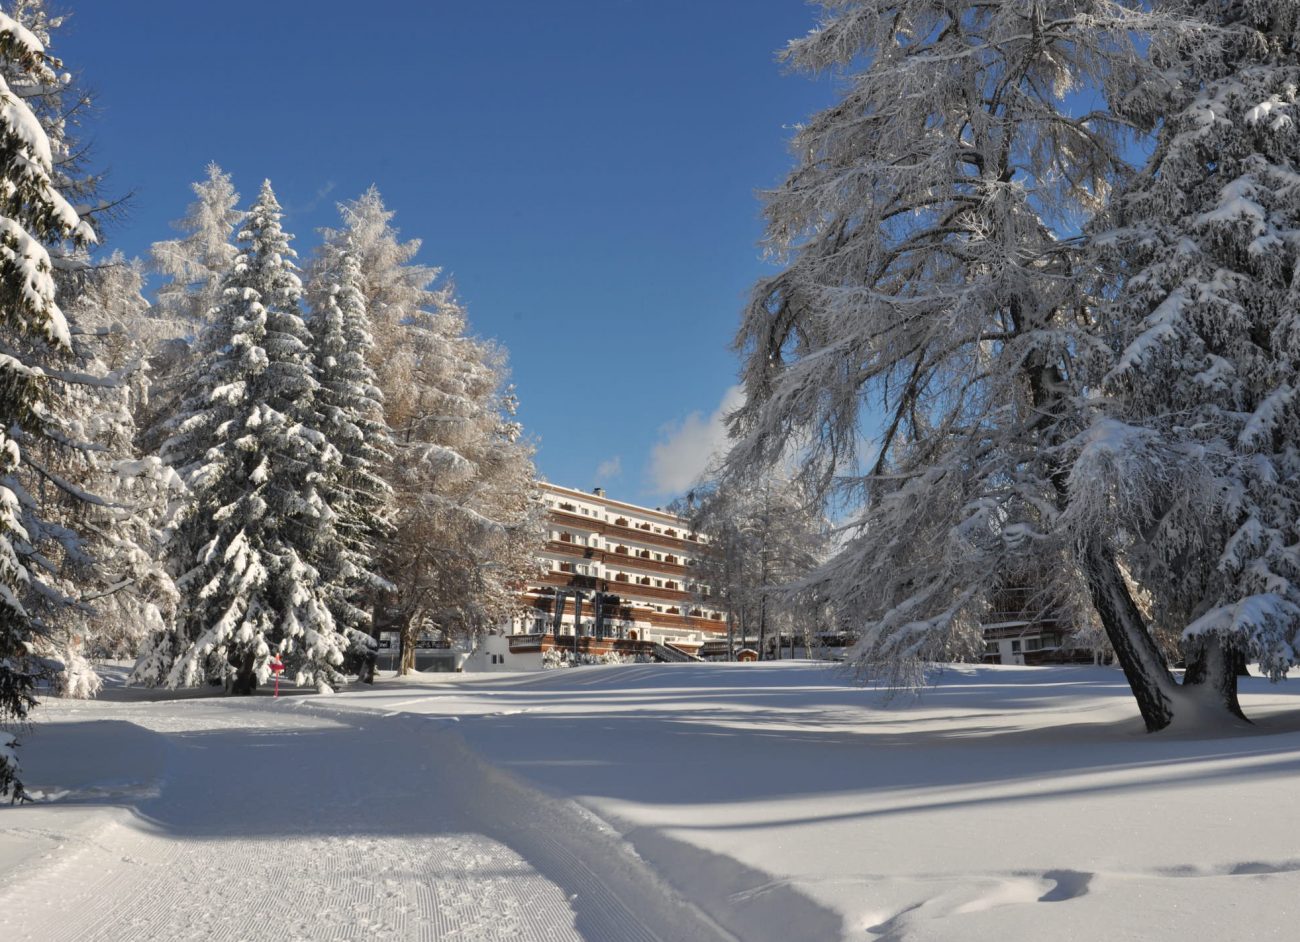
(249, 446)
(1103, 418)
(1199, 259)
(34, 216)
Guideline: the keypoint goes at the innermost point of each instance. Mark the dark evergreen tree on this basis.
(1192, 454)
(256, 466)
(350, 415)
(33, 215)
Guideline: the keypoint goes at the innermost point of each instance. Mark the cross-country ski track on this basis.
(289, 820)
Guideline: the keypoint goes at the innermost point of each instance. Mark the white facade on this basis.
(492, 655)
(640, 554)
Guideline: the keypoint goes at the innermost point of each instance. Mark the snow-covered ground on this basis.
(768, 803)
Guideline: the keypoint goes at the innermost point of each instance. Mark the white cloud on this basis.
(687, 448)
(609, 469)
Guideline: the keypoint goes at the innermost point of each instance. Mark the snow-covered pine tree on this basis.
(1193, 455)
(33, 215)
(254, 463)
(59, 106)
(932, 285)
(396, 287)
(87, 536)
(350, 414)
(467, 523)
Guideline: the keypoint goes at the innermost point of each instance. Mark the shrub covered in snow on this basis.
(554, 657)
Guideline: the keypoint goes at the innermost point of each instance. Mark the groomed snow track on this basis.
(288, 821)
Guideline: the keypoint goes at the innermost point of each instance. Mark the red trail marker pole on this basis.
(277, 668)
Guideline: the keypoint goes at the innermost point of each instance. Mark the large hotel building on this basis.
(631, 561)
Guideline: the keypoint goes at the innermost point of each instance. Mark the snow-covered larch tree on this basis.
(126, 530)
(246, 445)
(1193, 454)
(192, 267)
(33, 216)
(194, 264)
(466, 523)
(933, 288)
(765, 538)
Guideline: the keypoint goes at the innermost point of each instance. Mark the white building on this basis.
(492, 654)
(638, 558)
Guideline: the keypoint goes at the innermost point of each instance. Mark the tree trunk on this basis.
(245, 680)
(1212, 666)
(1143, 664)
(1138, 655)
(406, 647)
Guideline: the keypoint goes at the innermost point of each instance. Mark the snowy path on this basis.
(280, 821)
(625, 803)
(1004, 805)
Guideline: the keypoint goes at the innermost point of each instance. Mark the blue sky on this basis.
(585, 169)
